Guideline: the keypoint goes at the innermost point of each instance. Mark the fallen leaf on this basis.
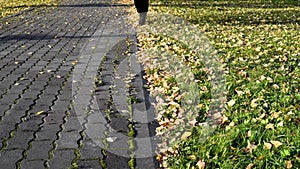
(267, 145)
(186, 135)
(250, 147)
(276, 143)
(280, 124)
(231, 124)
(260, 157)
(249, 133)
(74, 62)
(275, 86)
(231, 103)
(111, 139)
(200, 164)
(270, 126)
(239, 92)
(249, 166)
(289, 164)
(39, 113)
(253, 103)
(192, 157)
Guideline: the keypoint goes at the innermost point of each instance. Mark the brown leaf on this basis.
(289, 164)
(249, 166)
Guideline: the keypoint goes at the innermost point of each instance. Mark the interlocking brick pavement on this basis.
(66, 89)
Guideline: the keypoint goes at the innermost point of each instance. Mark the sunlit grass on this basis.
(8, 7)
(259, 44)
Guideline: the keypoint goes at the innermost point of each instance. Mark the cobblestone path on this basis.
(71, 90)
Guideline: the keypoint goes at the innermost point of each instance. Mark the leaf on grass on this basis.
(267, 145)
(192, 157)
(289, 164)
(250, 147)
(280, 124)
(270, 126)
(239, 92)
(261, 157)
(231, 103)
(186, 135)
(275, 86)
(200, 164)
(249, 166)
(224, 119)
(276, 143)
(249, 133)
(253, 103)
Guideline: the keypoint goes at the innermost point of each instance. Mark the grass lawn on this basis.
(259, 44)
(8, 7)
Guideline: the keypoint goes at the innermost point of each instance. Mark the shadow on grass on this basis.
(227, 4)
(236, 13)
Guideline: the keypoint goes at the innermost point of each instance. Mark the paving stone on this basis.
(48, 132)
(9, 158)
(19, 140)
(115, 161)
(68, 140)
(32, 164)
(91, 150)
(62, 159)
(43, 39)
(5, 129)
(89, 164)
(55, 117)
(39, 150)
(31, 123)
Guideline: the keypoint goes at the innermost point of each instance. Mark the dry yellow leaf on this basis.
(186, 135)
(275, 115)
(267, 145)
(231, 124)
(39, 113)
(74, 62)
(276, 143)
(192, 157)
(260, 157)
(289, 164)
(249, 133)
(249, 166)
(231, 103)
(270, 126)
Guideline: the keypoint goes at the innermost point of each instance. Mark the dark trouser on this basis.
(141, 5)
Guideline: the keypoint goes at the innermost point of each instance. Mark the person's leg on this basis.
(142, 8)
